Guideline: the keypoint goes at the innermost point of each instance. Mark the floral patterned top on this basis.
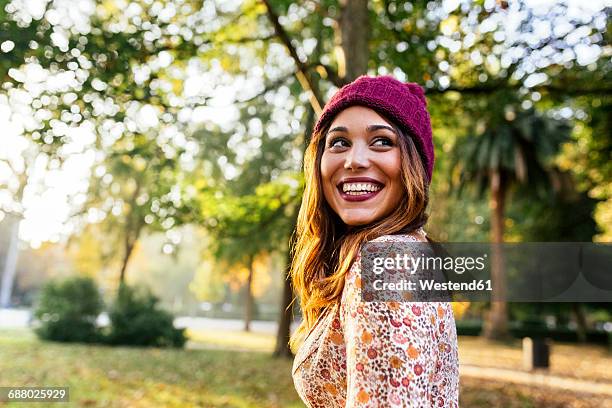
(379, 354)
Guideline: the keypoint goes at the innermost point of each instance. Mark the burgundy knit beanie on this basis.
(402, 103)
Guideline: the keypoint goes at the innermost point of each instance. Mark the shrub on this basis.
(135, 319)
(67, 310)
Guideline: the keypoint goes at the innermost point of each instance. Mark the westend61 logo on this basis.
(516, 272)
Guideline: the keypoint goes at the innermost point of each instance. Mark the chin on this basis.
(356, 221)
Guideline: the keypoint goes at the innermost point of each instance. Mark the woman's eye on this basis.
(383, 141)
(337, 142)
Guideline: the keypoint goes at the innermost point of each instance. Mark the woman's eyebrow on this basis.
(373, 128)
(338, 129)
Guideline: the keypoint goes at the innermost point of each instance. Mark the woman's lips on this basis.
(359, 197)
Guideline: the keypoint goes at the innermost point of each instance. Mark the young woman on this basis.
(368, 169)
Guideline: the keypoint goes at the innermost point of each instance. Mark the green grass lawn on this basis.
(100, 376)
(205, 375)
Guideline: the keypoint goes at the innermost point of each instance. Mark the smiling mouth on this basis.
(359, 191)
(359, 188)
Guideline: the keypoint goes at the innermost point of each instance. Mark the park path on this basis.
(535, 378)
(20, 318)
(14, 318)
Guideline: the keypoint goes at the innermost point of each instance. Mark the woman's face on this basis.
(360, 166)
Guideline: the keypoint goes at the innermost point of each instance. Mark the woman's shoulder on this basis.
(390, 242)
(418, 235)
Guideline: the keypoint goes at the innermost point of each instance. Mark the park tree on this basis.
(517, 148)
(136, 189)
(566, 216)
(84, 74)
(251, 226)
(248, 210)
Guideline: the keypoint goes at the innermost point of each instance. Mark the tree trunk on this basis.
(286, 316)
(12, 253)
(581, 326)
(10, 265)
(496, 322)
(132, 233)
(352, 52)
(248, 311)
(129, 248)
(352, 37)
(286, 312)
(131, 237)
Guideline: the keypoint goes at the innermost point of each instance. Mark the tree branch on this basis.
(249, 39)
(302, 72)
(332, 75)
(489, 89)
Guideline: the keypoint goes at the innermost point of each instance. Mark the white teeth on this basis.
(360, 188)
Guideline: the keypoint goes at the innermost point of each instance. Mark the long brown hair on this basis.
(325, 248)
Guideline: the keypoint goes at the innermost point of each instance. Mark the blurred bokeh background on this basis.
(150, 156)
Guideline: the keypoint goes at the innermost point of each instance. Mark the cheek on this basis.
(392, 169)
(328, 167)
(391, 165)
(324, 167)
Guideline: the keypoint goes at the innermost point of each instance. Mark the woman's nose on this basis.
(357, 158)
